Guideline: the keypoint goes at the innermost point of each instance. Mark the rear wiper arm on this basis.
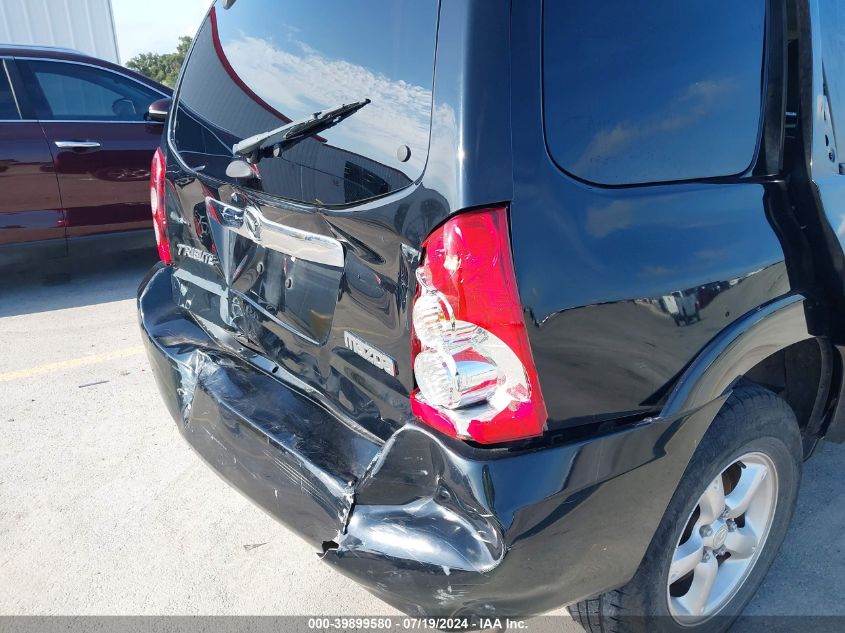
(271, 143)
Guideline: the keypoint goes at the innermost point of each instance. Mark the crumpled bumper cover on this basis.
(426, 523)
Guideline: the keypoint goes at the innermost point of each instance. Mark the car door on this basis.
(94, 120)
(30, 206)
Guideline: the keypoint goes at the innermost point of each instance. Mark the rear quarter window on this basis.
(661, 91)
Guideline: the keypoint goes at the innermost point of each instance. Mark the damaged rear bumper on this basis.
(428, 524)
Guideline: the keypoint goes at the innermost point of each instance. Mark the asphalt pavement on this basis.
(104, 510)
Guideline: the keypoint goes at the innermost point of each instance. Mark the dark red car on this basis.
(76, 141)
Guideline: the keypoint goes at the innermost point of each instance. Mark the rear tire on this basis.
(758, 427)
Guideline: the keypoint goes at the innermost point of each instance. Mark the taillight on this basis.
(157, 178)
(471, 356)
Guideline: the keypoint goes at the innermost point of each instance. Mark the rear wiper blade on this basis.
(272, 142)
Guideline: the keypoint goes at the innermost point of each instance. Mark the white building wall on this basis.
(84, 25)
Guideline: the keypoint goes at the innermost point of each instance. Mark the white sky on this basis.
(145, 26)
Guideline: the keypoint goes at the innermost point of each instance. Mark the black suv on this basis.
(508, 305)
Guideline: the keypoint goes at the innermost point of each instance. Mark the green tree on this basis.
(162, 68)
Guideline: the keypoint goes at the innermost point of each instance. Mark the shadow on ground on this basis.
(74, 282)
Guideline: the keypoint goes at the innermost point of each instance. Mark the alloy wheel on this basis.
(722, 539)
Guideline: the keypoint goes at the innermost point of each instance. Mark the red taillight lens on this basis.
(472, 359)
(157, 178)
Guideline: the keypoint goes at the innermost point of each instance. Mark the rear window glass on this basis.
(639, 92)
(260, 64)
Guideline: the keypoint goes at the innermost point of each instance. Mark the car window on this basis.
(79, 92)
(660, 91)
(8, 108)
(259, 65)
(832, 13)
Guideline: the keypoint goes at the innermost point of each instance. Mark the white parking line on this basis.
(49, 368)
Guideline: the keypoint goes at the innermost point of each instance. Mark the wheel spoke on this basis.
(686, 557)
(712, 502)
(742, 495)
(742, 543)
(695, 600)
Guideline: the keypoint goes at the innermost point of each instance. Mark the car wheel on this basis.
(721, 530)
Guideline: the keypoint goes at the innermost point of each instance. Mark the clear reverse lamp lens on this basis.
(445, 382)
(455, 369)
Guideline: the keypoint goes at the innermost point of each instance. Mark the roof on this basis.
(45, 49)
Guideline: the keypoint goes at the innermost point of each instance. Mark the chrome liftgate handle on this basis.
(77, 144)
(251, 223)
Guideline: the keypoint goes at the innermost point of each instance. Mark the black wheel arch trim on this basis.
(757, 335)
